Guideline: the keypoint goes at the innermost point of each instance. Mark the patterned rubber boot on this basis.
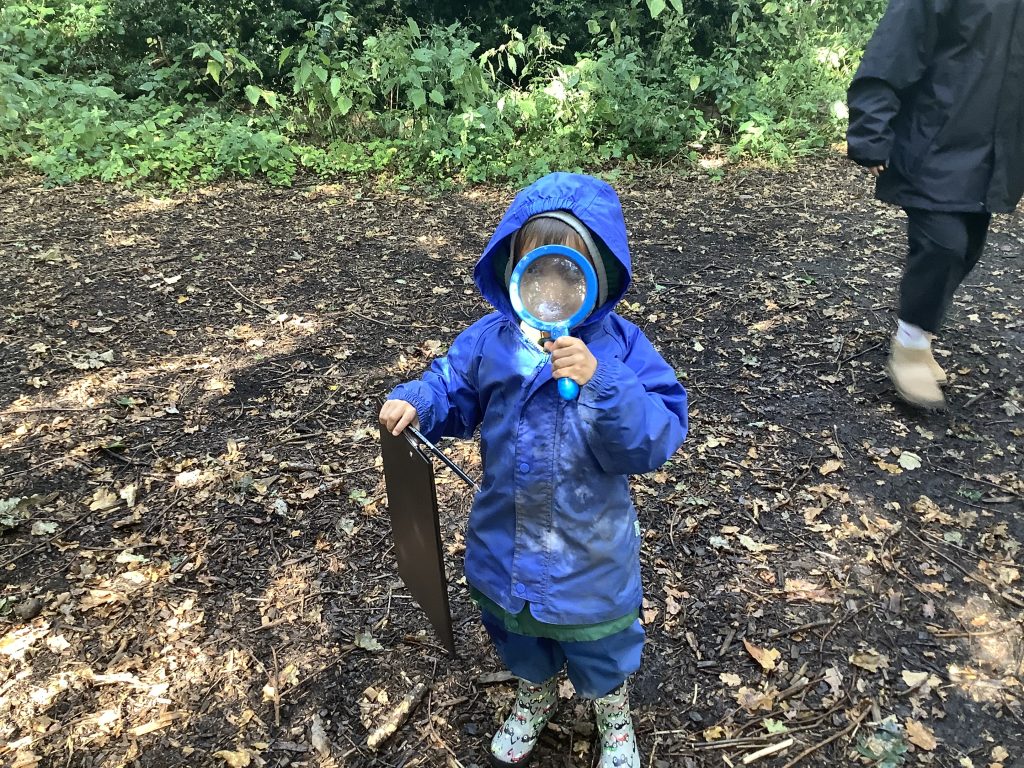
(533, 708)
(615, 726)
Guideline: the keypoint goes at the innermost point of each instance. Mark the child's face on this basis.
(553, 289)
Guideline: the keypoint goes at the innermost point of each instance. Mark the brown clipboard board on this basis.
(416, 529)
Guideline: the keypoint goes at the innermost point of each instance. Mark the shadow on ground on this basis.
(200, 571)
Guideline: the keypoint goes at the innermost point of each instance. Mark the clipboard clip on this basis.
(437, 452)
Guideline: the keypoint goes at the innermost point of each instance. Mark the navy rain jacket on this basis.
(553, 523)
(939, 98)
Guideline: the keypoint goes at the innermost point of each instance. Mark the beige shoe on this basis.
(940, 375)
(937, 373)
(913, 373)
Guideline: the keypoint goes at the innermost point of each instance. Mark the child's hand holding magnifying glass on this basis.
(570, 359)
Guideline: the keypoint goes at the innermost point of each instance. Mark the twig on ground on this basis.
(437, 737)
(864, 709)
(801, 628)
(769, 750)
(987, 585)
(313, 675)
(46, 543)
(962, 476)
(372, 319)
(859, 354)
(325, 403)
(277, 690)
(749, 741)
(255, 303)
(397, 717)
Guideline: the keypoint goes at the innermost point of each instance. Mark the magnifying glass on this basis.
(553, 289)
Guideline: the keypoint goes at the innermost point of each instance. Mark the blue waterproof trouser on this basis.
(595, 667)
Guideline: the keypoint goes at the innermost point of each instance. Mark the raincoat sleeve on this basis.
(635, 409)
(446, 398)
(896, 57)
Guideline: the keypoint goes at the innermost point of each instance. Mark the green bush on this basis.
(190, 91)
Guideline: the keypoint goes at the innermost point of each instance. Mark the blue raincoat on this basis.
(553, 523)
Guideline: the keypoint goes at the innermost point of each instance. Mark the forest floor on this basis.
(195, 552)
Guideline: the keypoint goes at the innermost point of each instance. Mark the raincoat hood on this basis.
(590, 200)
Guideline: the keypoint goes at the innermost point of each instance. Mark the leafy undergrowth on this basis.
(194, 543)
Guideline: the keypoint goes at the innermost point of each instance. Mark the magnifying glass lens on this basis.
(553, 288)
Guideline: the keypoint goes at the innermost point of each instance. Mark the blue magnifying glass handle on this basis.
(567, 388)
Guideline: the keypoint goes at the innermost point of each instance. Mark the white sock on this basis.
(911, 336)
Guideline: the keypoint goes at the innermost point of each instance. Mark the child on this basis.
(553, 543)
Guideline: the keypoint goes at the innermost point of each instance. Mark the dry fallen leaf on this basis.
(871, 660)
(830, 466)
(752, 700)
(318, 737)
(766, 657)
(920, 735)
(754, 546)
(916, 680)
(238, 759)
(811, 514)
(671, 606)
(801, 589)
(103, 499)
(714, 732)
(16, 642)
(25, 759)
(98, 597)
(57, 644)
(909, 460)
(834, 680)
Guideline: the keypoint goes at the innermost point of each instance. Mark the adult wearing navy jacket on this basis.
(553, 542)
(937, 115)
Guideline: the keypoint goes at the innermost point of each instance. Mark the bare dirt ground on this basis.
(195, 554)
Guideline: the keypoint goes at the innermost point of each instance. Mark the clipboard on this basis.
(416, 529)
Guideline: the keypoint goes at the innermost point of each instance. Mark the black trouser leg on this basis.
(977, 234)
(944, 247)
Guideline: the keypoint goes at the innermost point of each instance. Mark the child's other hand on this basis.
(396, 415)
(571, 359)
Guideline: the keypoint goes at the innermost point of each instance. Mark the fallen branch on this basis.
(801, 628)
(853, 724)
(46, 543)
(967, 574)
(254, 303)
(430, 724)
(337, 660)
(397, 717)
(771, 750)
(979, 480)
